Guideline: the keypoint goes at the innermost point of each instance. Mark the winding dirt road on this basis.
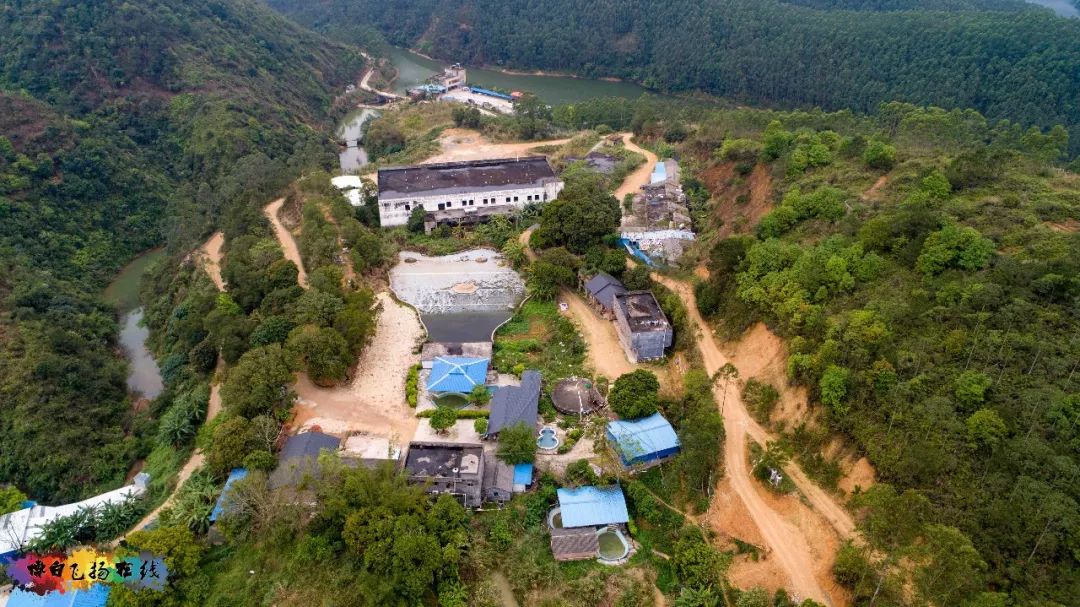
(285, 238)
(640, 176)
(211, 258)
(786, 543)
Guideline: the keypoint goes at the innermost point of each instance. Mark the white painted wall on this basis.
(396, 211)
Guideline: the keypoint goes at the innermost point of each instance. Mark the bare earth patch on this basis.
(466, 144)
(373, 401)
(286, 240)
(211, 258)
(1069, 226)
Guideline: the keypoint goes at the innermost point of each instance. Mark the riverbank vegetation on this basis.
(112, 142)
(850, 55)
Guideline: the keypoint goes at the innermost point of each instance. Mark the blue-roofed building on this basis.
(523, 475)
(219, 507)
(592, 507)
(96, 596)
(643, 442)
(456, 375)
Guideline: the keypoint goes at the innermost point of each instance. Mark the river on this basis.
(144, 377)
(414, 69)
(354, 157)
(1064, 8)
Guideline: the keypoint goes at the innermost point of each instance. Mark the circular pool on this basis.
(548, 441)
(613, 546)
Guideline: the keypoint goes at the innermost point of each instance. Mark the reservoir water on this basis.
(144, 377)
(414, 69)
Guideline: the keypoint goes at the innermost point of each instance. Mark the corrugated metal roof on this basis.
(96, 596)
(592, 506)
(219, 507)
(523, 474)
(640, 437)
(514, 405)
(457, 374)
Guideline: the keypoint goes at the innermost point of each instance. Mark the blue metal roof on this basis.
(96, 596)
(523, 474)
(219, 507)
(457, 374)
(592, 506)
(635, 439)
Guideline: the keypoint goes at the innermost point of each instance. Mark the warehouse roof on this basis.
(592, 506)
(449, 178)
(604, 288)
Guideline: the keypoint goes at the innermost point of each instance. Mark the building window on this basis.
(407, 207)
(386, 205)
(441, 206)
(515, 198)
(507, 199)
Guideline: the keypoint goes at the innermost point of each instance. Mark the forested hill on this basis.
(126, 125)
(1015, 65)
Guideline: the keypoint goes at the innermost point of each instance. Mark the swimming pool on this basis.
(547, 439)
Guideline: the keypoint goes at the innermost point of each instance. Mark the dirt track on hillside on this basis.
(641, 175)
(211, 258)
(785, 542)
(286, 240)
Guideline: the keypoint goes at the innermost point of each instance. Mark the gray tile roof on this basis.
(463, 177)
(604, 288)
(308, 444)
(512, 405)
(574, 544)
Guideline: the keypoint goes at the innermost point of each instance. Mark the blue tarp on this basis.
(643, 440)
(96, 596)
(523, 474)
(635, 251)
(457, 374)
(592, 506)
(219, 507)
(659, 173)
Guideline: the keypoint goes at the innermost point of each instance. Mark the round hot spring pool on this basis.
(613, 546)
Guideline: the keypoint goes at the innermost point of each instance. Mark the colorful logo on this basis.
(84, 567)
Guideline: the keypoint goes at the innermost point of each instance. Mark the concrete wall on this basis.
(396, 211)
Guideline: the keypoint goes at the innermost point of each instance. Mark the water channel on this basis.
(144, 377)
(354, 157)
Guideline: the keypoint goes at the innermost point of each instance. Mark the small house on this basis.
(513, 405)
(643, 329)
(456, 469)
(592, 507)
(576, 544)
(601, 291)
(456, 375)
(643, 442)
(299, 458)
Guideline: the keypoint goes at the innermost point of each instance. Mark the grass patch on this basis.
(538, 337)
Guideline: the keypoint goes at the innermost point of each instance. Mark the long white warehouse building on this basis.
(464, 192)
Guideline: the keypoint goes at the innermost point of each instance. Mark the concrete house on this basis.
(455, 193)
(644, 330)
(456, 469)
(601, 291)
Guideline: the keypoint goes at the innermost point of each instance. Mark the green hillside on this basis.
(1017, 64)
(125, 126)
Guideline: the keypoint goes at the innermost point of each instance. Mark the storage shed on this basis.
(643, 442)
(592, 506)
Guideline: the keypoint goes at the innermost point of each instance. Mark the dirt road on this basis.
(211, 258)
(640, 176)
(466, 144)
(786, 542)
(373, 400)
(285, 238)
